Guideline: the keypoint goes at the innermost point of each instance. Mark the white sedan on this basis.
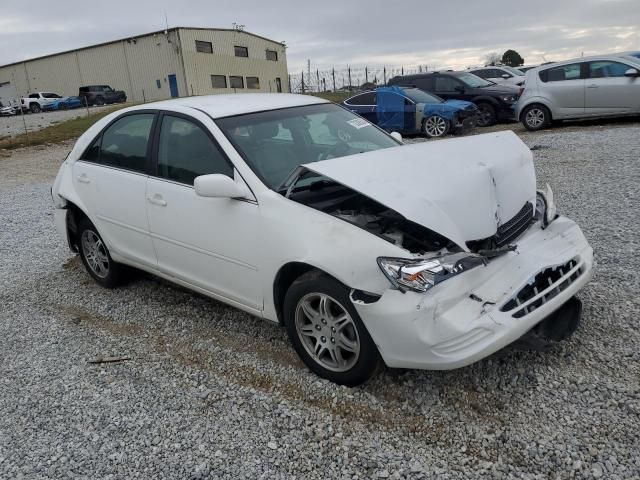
(291, 208)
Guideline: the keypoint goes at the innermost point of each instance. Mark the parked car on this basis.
(500, 74)
(586, 87)
(63, 103)
(432, 255)
(495, 102)
(8, 110)
(35, 102)
(101, 95)
(411, 110)
(525, 68)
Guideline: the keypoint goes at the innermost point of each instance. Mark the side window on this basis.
(186, 152)
(92, 154)
(607, 68)
(124, 143)
(497, 73)
(482, 73)
(445, 84)
(368, 98)
(558, 74)
(426, 83)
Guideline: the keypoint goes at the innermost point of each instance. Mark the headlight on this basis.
(422, 274)
(546, 209)
(509, 98)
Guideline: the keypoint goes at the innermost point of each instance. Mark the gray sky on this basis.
(454, 33)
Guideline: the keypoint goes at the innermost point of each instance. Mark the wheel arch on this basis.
(532, 103)
(286, 276)
(75, 214)
(485, 99)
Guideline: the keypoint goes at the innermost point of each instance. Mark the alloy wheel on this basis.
(435, 126)
(535, 117)
(327, 332)
(95, 253)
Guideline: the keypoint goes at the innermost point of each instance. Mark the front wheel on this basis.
(535, 117)
(327, 332)
(35, 108)
(486, 115)
(96, 257)
(435, 126)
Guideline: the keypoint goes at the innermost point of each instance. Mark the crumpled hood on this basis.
(461, 188)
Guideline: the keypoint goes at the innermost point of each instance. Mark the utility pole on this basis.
(384, 74)
(309, 73)
(333, 76)
(318, 79)
(366, 75)
(349, 71)
(303, 81)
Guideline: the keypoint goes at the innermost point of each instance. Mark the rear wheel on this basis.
(535, 117)
(63, 106)
(327, 332)
(99, 101)
(35, 108)
(435, 126)
(486, 115)
(96, 258)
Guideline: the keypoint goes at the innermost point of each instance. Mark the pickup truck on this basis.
(35, 101)
(100, 95)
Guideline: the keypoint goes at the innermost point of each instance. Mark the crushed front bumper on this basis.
(473, 315)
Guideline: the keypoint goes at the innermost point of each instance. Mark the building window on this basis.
(236, 82)
(158, 84)
(272, 55)
(241, 51)
(278, 85)
(219, 81)
(204, 47)
(253, 82)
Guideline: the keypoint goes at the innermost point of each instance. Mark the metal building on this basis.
(170, 63)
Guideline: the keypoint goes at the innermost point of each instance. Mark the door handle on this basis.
(157, 200)
(82, 178)
(593, 85)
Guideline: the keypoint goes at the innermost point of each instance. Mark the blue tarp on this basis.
(390, 109)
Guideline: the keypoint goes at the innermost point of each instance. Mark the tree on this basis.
(512, 58)
(492, 58)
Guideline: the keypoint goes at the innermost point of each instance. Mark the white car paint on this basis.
(489, 161)
(233, 249)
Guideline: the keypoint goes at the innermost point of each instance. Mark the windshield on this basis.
(420, 96)
(513, 71)
(472, 80)
(276, 142)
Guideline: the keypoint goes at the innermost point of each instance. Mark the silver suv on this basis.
(588, 87)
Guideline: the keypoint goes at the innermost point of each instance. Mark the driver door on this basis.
(210, 243)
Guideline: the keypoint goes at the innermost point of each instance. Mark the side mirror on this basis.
(217, 185)
(397, 136)
(632, 72)
(506, 75)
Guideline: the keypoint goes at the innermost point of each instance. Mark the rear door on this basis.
(111, 180)
(564, 87)
(608, 91)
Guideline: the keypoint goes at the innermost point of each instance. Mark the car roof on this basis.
(225, 105)
(590, 58)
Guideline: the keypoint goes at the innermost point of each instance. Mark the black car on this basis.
(495, 102)
(100, 95)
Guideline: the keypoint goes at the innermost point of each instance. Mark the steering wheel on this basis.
(337, 150)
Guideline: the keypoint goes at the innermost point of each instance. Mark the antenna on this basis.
(166, 23)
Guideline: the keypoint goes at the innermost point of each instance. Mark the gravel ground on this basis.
(12, 126)
(210, 392)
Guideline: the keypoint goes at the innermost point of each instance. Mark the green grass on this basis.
(59, 132)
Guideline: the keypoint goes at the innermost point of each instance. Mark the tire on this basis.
(535, 117)
(486, 114)
(63, 106)
(96, 257)
(99, 101)
(435, 126)
(319, 317)
(35, 108)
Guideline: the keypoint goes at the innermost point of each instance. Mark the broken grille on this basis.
(543, 287)
(515, 226)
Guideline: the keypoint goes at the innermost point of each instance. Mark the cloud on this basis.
(455, 33)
